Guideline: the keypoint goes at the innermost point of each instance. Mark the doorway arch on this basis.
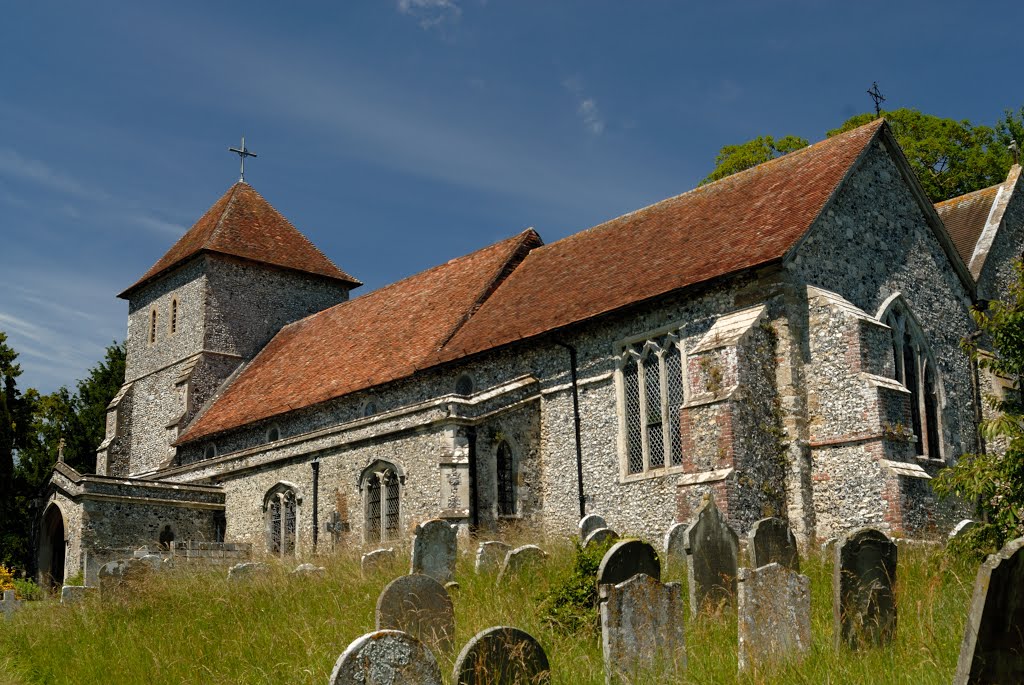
(52, 547)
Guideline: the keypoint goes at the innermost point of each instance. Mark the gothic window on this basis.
(174, 316)
(280, 506)
(505, 475)
(152, 326)
(381, 487)
(914, 367)
(651, 394)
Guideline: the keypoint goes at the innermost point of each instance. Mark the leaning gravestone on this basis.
(386, 657)
(309, 570)
(247, 569)
(521, 560)
(501, 656)
(712, 558)
(642, 633)
(773, 614)
(771, 541)
(490, 556)
(625, 559)
(675, 546)
(418, 605)
(992, 650)
(863, 601)
(589, 523)
(122, 575)
(433, 550)
(600, 537)
(372, 562)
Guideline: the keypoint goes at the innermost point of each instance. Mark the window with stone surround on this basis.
(280, 508)
(505, 476)
(174, 316)
(152, 325)
(381, 487)
(914, 367)
(650, 388)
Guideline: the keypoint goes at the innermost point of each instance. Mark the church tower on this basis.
(206, 307)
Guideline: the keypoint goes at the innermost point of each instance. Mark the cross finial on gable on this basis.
(876, 95)
(242, 154)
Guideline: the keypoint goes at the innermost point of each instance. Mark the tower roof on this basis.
(243, 224)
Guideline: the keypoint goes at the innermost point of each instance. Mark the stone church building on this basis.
(786, 339)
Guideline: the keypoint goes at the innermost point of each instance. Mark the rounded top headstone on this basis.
(589, 523)
(627, 558)
(771, 540)
(501, 655)
(419, 605)
(386, 656)
(600, 537)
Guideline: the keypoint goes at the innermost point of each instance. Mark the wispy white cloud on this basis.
(18, 166)
(431, 13)
(157, 225)
(586, 106)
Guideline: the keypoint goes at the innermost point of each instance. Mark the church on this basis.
(785, 340)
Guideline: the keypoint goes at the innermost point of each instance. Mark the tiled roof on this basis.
(965, 218)
(384, 335)
(742, 221)
(242, 224)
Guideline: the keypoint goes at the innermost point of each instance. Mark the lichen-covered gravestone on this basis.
(600, 537)
(386, 657)
(771, 541)
(773, 615)
(625, 559)
(73, 594)
(371, 562)
(863, 580)
(433, 550)
(309, 571)
(992, 650)
(419, 605)
(589, 523)
(122, 575)
(490, 556)
(642, 632)
(521, 560)
(501, 656)
(675, 546)
(712, 558)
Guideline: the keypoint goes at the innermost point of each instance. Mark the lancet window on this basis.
(915, 368)
(505, 475)
(651, 395)
(281, 509)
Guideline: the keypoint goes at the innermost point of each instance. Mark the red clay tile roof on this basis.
(742, 221)
(965, 218)
(384, 335)
(242, 224)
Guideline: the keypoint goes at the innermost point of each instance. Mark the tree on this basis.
(733, 158)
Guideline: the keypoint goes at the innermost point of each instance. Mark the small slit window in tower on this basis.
(152, 326)
(174, 316)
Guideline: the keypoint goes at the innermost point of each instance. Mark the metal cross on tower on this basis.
(876, 95)
(242, 154)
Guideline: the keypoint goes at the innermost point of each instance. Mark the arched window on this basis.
(651, 377)
(464, 385)
(914, 367)
(210, 451)
(174, 316)
(273, 433)
(152, 326)
(280, 507)
(505, 475)
(381, 487)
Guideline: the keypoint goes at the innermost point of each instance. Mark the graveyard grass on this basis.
(193, 626)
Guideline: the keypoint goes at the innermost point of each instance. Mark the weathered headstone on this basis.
(521, 560)
(306, 570)
(625, 559)
(992, 650)
(863, 600)
(73, 594)
(141, 552)
(675, 546)
(490, 556)
(155, 562)
(433, 550)
(961, 528)
(772, 542)
(501, 656)
(773, 615)
(122, 575)
(600, 536)
(10, 603)
(589, 523)
(247, 569)
(372, 562)
(419, 605)
(712, 558)
(386, 657)
(642, 630)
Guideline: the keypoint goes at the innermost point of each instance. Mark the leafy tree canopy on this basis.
(733, 158)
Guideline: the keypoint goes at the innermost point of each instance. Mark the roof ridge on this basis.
(220, 220)
(968, 196)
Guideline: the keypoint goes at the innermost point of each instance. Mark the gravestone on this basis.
(520, 560)
(490, 556)
(386, 657)
(247, 569)
(433, 550)
(642, 630)
(863, 600)
(589, 523)
(961, 528)
(600, 537)
(418, 605)
(625, 559)
(675, 546)
(712, 558)
(372, 562)
(73, 594)
(992, 650)
(155, 562)
(10, 603)
(307, 570)
(772, 542)
(773, 615)
(122, 575)
(501, 656)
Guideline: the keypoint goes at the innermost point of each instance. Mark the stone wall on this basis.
(1007, 246)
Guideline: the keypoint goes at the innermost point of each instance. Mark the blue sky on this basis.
(398, 134)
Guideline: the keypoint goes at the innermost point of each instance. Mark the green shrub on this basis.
(77, 579)
(976, 543)
(27, 589)
(571, 605)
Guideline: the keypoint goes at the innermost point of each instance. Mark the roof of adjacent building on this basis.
(520, 288)
(965, 218)
(243, 224)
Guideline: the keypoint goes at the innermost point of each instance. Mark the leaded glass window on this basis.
(382, 503)
(506, 479)
(281, 507)
(651, 375)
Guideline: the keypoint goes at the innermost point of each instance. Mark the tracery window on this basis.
(915, 368)
(280, 505)
(651, 393)
(505, 475)
(382, 498)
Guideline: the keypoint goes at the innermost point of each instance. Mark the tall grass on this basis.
(193, 626)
